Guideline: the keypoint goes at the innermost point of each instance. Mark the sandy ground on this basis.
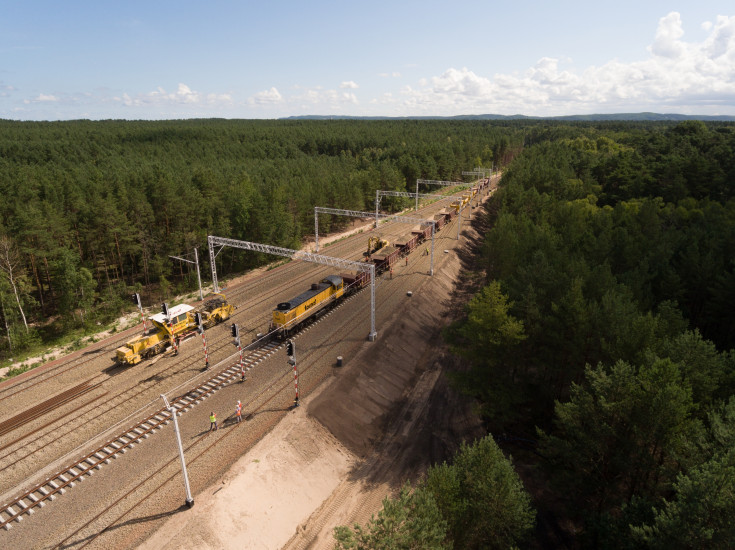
(265, 494)
(331, 462)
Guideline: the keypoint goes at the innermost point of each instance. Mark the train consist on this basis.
(180, 323)
(289, 316)
(387, 255)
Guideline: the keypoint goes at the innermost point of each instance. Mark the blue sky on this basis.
(160, 59)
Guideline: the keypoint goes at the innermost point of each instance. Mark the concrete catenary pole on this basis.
(172, 410)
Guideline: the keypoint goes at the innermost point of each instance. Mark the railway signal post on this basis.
(174, 340)
(172, 410)
(291, 352)
(200, 330)
(236, 335)
(136, 301)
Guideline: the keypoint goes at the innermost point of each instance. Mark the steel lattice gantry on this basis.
(436, 182)
(295, 255)
(486, 171)
(475, 172)
(358, 214)
(379, 193)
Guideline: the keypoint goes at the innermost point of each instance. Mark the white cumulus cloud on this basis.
(182, 96)
(266, 97)
(320, 98)
(669, 32)
(680, 76)
(349, 84)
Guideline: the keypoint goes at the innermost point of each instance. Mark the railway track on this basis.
(46, 407)
(269, 404)
(42, 440)
(248, 289)
(57, 484)
(89, 463)
(107, 347)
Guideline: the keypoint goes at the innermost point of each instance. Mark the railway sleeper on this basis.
(13, 514)
(66, 482)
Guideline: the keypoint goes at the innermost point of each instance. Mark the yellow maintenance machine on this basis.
(179, 324)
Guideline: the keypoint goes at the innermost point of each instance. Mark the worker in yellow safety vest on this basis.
(212, 421)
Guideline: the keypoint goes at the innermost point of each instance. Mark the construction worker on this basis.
(427, 250)
(406, 260)
(238, 411)
(212, 421)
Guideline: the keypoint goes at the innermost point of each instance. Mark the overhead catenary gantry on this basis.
(358, 214)
(379, 194)
(437, 182)
(475, 172)
(486, 171)
(295, 255)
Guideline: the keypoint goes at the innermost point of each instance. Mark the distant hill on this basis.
(595, 117)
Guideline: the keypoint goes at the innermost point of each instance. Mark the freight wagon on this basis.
(355, 280)
(423, 231)
(385, 258)
(439, 219)
(407, 243)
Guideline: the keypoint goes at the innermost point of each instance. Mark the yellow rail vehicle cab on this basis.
(158, 337)
(180, 319)
(289, 314)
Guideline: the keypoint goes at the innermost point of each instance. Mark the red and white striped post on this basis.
(206, 354)
(164, 310)
(296, 385)
(176, 340)
(136, 301)
(200, 330)
(236, 335)
(291, 352)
